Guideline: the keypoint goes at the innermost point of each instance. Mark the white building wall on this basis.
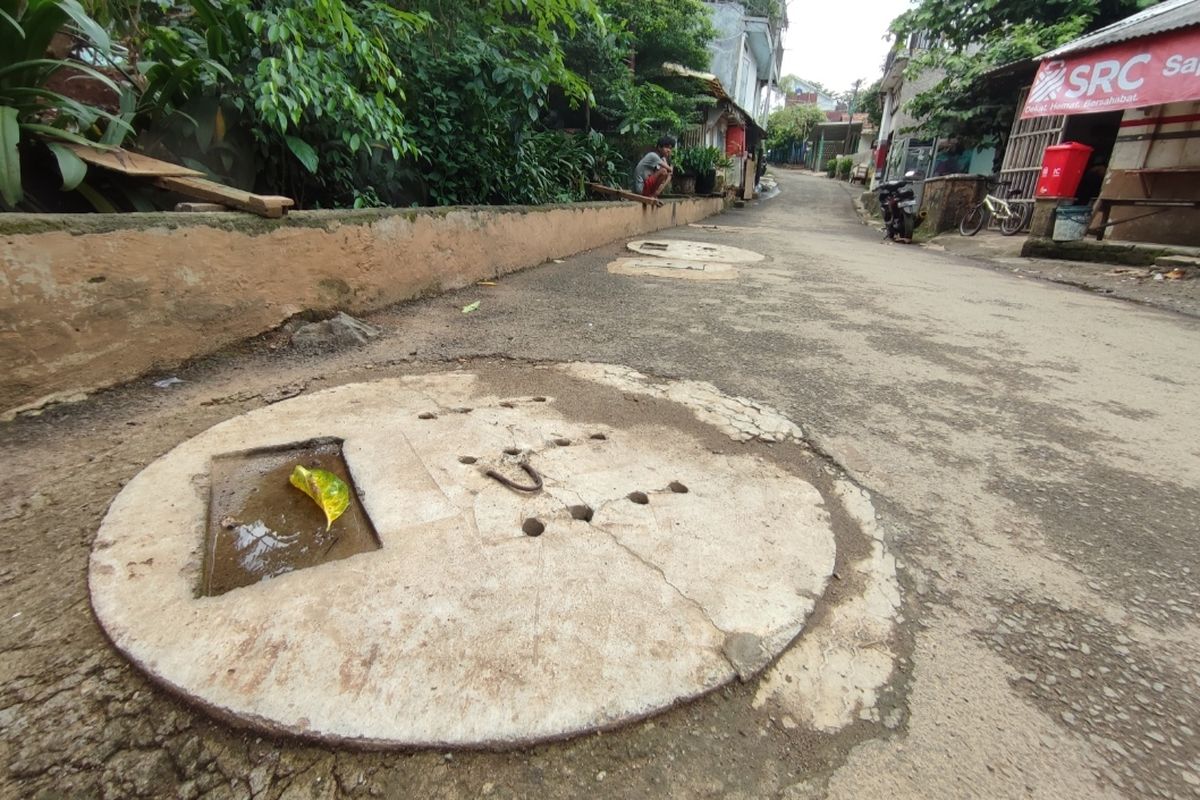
(725, 52)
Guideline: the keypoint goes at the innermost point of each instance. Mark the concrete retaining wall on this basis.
(947, 198)
(91, 300)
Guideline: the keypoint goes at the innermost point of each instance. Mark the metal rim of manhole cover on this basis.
(694, 251)
(649, 568)
(673, 268)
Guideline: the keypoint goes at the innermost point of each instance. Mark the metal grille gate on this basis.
(1026, 143)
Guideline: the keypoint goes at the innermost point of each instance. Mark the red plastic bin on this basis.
(1062, 167)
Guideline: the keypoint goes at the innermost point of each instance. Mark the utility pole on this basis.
(850, 118)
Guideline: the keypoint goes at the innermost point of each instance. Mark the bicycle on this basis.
(1012, 216)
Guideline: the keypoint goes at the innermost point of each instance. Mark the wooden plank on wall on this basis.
(272, 206)
(609, 191)
(127, 163)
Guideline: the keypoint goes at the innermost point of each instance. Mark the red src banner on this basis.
(1144, 72)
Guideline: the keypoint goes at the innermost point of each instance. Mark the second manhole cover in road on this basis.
(561, 548)
(673, 268)
(694, 251)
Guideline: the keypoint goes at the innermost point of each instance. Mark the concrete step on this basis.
(1189, 264)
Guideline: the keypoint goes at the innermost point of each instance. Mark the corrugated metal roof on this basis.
(714, 88)
(1167, 16)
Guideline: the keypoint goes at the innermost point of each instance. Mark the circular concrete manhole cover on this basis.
(650, 568)
(694, 251)
(673, 268)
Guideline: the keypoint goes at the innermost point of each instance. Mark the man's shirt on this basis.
(645, 168)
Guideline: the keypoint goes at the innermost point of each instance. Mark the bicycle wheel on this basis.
(973, 222)
(1016, 220)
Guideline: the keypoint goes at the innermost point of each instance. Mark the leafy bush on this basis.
(475, 109)
(790, 127)
(844, 165)
(554, 167)
(632, 90)
(276, 59)
(696, 160)
(340, 103)
(28, 104)
(831, 167)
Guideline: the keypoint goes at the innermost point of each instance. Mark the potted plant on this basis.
(685, 163)
(706, 169)
(830, 167)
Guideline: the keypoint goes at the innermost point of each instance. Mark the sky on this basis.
(838, 42)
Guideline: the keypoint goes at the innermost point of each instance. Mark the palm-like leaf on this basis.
(10, 159)
(28, 106)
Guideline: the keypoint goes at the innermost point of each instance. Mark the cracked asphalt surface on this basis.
(1032, 448)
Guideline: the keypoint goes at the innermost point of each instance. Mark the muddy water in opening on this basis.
(260, 526)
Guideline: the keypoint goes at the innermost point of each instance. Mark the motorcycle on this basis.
(898, 202)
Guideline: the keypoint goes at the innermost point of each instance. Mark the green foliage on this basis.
(378, 102)
(648, 34)
(843, 165)
(553, 167)
(789, 127)
(976, 38)
(696, 160)
(28, 104)
(959, 24)
(870, 102)
(251, 84)
(831, 167)
(476, 109)
(773, 10)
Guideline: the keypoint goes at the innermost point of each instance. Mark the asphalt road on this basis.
(1032, 450)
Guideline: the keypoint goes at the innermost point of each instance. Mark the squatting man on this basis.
(652, 173)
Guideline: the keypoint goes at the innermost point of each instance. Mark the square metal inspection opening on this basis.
(260, 526)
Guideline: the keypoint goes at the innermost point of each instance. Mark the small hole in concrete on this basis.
(533, 527)
(600, 437)
(427, 415)
(581, 513)
(539, 399)
(677, 487)
(467, 459)
(639, 497)
(512, 451)
(463, 410)
(506, 405)
(562, 442)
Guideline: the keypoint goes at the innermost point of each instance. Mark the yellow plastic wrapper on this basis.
(327, 490)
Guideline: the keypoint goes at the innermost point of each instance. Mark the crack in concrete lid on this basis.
(694, 251)
(463, 629)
